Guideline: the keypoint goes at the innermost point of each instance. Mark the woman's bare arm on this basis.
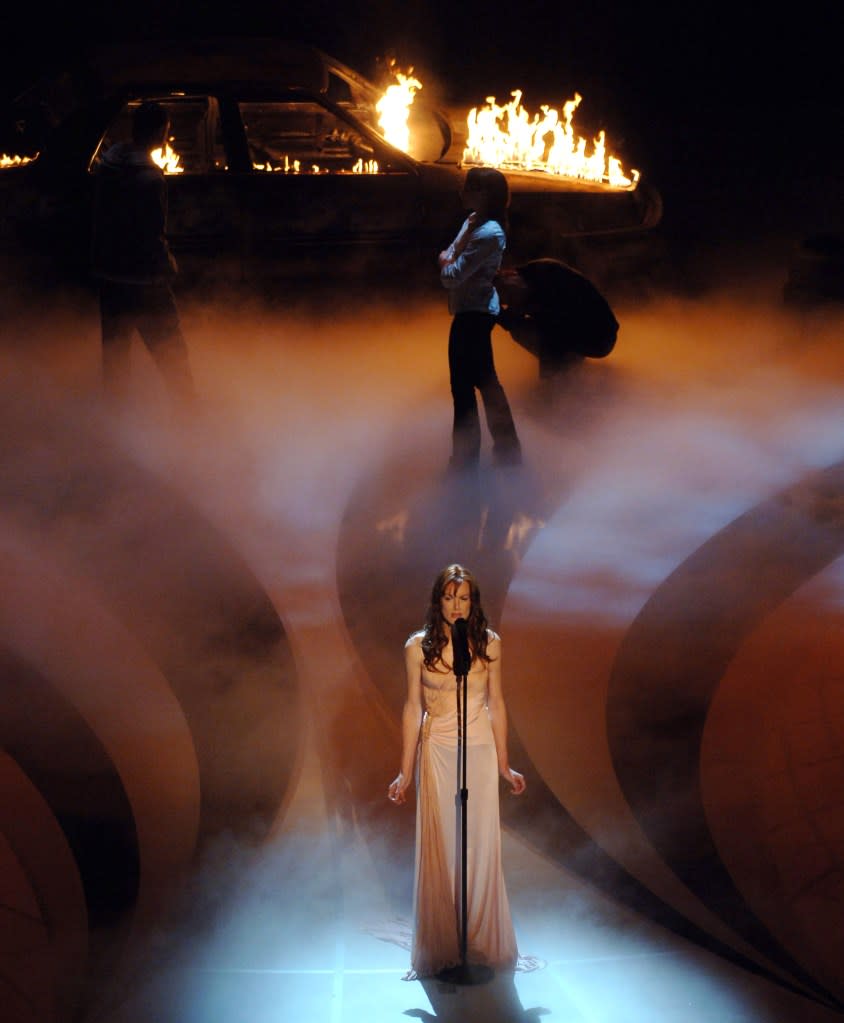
(411, 721)
(498, 718)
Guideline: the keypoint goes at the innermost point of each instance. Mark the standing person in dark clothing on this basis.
(556, 313)
(132, 260)
(467, 269)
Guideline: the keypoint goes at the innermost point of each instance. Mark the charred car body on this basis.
(281, 169)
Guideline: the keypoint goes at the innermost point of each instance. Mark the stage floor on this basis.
(216, 677)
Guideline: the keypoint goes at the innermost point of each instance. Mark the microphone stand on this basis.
(463, 974)
(462, 696)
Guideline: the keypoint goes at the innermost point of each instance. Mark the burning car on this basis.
(282, 161)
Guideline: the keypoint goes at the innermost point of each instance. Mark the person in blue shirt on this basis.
(467, 270)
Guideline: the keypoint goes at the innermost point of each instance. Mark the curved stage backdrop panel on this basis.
(150, 699)
(699, 620)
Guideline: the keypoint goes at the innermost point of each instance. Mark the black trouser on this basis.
(151, 310)
(471, 366)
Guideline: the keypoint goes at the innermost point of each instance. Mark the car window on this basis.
(195, 143)
(303, 137)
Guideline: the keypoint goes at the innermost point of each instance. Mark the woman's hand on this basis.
(397, 792)
(515, 780)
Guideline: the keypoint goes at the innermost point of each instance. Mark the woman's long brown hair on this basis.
(435, 638)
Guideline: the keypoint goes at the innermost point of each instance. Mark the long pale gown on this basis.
(437, 893)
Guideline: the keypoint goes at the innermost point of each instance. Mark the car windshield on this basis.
(430, 136)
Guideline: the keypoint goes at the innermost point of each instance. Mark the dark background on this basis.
(734, 110)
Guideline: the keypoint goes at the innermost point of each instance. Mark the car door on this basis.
(205, 217)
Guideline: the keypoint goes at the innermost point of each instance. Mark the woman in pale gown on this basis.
(430, 726)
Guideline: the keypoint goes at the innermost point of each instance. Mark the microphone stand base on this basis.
(467, 974)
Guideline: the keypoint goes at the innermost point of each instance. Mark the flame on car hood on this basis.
(509, 138)
(15, 161)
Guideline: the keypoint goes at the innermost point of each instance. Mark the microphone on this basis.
(460, 643)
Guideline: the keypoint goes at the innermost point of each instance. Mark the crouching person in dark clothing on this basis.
(132, 259)
(555, 313)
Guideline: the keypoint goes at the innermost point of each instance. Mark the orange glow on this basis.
(15, 161)
(394, 107)
(510, 138)
(287, 166)
(167, 159)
